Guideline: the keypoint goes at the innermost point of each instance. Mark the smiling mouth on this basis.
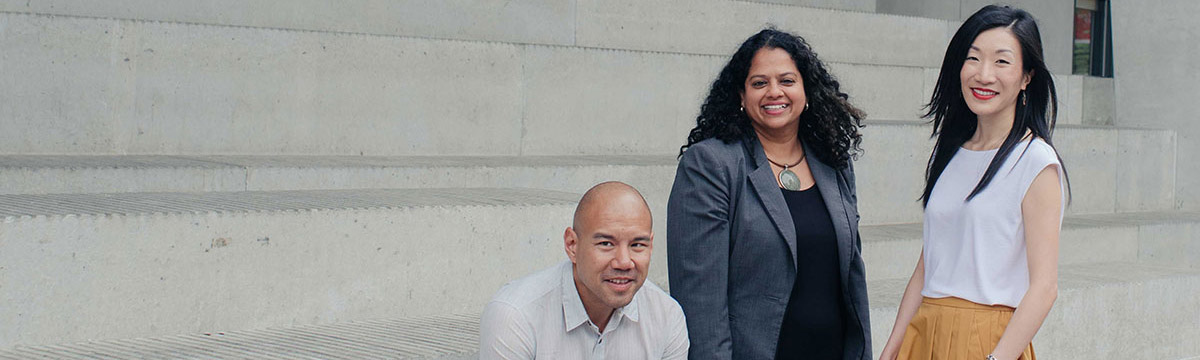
(983, 94)
(775, 107)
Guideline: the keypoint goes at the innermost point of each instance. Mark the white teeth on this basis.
(775, 107)
(984, 92)
(619, 281)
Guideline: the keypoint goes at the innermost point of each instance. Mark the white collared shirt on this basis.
(541, 316)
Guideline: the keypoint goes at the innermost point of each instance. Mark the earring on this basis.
(1024, 99)
(742, 108)
(805, 106)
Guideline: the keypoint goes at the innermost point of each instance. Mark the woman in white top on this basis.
(994, 197)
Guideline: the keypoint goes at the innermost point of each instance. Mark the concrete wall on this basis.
(853, 5)
(1055, 20)
(1157, 77)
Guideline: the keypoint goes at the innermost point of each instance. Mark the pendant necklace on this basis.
(787, 178)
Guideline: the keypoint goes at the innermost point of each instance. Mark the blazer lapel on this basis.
(832, 192)
(768, 191)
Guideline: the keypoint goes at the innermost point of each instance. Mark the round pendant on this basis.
(789, 180)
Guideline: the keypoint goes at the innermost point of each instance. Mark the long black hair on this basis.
(830, 125)
(953, 121)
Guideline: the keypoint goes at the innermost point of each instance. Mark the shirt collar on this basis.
(575, 315)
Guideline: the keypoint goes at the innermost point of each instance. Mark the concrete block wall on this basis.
(1155, 82)
(1055, 21)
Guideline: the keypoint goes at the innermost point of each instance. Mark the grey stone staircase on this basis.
(354, 179)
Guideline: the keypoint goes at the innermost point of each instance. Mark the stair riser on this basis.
(1149, 320)
(74, 278)
(896, 259)
(103, 86)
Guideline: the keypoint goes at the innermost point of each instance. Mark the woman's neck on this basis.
(990, 132)
(780, 146)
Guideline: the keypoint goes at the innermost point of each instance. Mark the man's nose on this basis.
(622, 260)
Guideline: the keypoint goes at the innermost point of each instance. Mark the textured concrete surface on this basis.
(1099, 104)
(890, 173)
(1055, 21)
(1146, 170)
(718, 27)
(437, 337)
(107, 86)
(588, 23)
(1104, 310)
(589, 101)
(1109, 310)
(199, 262)
(891, 251)
(521, 21)
(172, 88)
(854, 5)
(1156, 81)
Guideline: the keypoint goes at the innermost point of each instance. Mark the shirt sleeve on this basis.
(677, 342)
(1038, 157)
(505, 334)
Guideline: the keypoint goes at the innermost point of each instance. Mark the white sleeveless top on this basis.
(975, 250)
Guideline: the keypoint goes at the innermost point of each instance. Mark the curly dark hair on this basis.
(830, 125)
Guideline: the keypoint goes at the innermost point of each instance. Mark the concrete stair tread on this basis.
(591, 22)
(13, 206)
(886, 293)
(221, 161)
(437, 337)
(456, 336)
(249, 109)
(913, 231)
(891, 251)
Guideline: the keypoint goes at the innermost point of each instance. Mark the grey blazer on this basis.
(732, 250)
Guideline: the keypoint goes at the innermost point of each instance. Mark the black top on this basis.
(813, 326)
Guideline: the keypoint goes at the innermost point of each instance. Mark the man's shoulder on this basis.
(531, 289)
(657, 302)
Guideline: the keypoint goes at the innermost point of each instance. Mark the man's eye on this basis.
(605, 243)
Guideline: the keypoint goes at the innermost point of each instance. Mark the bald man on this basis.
(596, 305)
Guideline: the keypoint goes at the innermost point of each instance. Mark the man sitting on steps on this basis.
(578, 308)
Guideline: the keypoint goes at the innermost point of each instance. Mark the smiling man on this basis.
(599, 304)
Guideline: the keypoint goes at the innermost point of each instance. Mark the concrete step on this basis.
(1159, 238)
(452, 337)
(1113, 170)
(1105, 310)
(712, 27)
(104, 86)
(79, 267)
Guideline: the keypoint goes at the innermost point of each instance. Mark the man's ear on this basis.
(570, 241)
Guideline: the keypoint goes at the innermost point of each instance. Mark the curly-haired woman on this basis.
(763, 220)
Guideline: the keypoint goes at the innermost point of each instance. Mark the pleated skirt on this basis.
(953, 329)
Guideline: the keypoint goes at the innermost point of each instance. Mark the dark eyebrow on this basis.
(997, 51)
(642, 239)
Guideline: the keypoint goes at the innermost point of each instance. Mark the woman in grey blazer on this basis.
(762, 223)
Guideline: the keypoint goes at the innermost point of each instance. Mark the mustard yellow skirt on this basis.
(952, 329)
